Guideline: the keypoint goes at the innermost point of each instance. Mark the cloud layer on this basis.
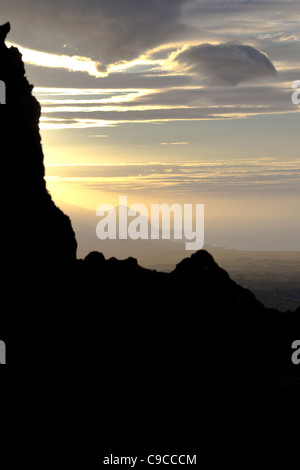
(192, 178)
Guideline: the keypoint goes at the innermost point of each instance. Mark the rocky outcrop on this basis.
(34, 229)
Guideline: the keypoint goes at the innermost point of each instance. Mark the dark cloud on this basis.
(106, 31)
(226, 63)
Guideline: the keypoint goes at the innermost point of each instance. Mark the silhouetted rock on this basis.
(4, 30)
(34, 230)
(95, 259)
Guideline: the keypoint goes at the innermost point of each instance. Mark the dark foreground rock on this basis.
(116, 359)
(34, 229)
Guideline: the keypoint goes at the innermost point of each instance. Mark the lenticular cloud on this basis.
(226, 64)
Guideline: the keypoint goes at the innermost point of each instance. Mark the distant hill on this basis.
(274, 276)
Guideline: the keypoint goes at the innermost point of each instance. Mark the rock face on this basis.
(34, 228)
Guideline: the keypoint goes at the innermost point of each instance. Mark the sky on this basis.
(170, 101)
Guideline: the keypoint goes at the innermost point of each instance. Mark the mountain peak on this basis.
(4, 30)
(200, 263)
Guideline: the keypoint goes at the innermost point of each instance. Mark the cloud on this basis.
(105, 31)
(109, 31)
(55, 77)
(185, 177)
(219, 17)
(174, 143)
(44, 59)
(165, 81)
(92, 108)
(101, 136)
(226, 64)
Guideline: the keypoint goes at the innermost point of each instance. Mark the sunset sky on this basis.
(183, 101)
